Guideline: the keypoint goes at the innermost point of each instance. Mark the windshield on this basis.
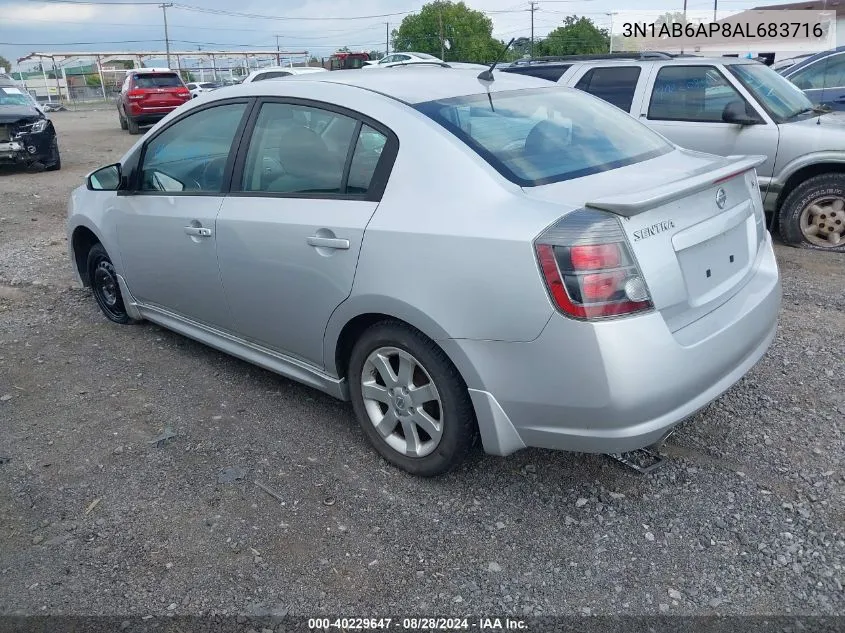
(780, 97)
(539, 136)
(14, 97)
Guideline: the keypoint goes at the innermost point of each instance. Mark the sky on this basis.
(317, 26)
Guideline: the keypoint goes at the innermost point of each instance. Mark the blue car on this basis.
(821, 77)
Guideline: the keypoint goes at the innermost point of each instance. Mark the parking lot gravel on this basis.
(143, 473)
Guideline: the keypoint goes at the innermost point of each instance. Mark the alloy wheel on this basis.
(402, 401)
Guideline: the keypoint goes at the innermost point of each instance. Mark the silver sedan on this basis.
(458, 257)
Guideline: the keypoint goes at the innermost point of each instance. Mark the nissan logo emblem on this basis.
(721, 198)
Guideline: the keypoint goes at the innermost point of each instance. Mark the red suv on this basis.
(148, 95)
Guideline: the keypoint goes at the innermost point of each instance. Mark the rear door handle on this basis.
(198, 231)
(328, 242)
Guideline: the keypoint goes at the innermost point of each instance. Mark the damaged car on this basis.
(27, 137)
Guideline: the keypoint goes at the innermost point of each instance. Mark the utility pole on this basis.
(278, 50)
(442, 47)
(533, 8)
(166, 36)
(715, 6)
(386, 39)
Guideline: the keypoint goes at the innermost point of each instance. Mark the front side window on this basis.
(615, 85)
(538, 136)
(781, 99)
(298, 149)
(191, 155)
(828, 72)
(690, 93)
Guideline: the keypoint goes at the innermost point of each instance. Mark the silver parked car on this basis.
(457, 257)
(727, 105)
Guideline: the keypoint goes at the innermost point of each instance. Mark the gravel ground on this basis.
(97, 517)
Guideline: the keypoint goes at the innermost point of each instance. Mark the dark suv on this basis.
(148, 95)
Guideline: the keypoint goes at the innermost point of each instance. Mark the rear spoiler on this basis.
(631, 204)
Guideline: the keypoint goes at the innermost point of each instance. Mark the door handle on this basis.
(328, 242)
(198, 231)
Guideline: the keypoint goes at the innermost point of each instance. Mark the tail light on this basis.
(589, 269)
(135, 95)
(183, 92)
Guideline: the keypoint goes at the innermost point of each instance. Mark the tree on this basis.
(376, 54)
(671, 17)
(577, 36)
(450, 29)
(5, 63)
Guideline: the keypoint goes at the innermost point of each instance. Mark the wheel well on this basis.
(350, 333)
(803, 174)
(82, 241)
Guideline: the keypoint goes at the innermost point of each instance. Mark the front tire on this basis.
(104, 284)
(813, 214)
(56, 158)
(410, 400)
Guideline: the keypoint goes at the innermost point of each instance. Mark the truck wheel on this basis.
(813, 214)
(133, 126)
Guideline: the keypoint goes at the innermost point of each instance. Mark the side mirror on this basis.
(737, 112)
(105, 179)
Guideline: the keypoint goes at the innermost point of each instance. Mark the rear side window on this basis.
(298, 150)
(271, 75)
(539, 136)
(550, 73)
(365, 159)
(615, 85)
(157, 80)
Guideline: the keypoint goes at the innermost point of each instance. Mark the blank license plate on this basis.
(710, 267)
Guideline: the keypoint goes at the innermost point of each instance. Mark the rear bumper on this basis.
(618, 385)
(148, 116)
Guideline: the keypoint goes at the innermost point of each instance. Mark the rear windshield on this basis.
(157, 81)
(539, 136)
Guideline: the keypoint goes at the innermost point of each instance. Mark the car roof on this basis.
(428, 83)
(141, 71)
(809, 60)
(674, 61)
(524, 66)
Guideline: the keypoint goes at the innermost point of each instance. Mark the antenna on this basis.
(487, 75)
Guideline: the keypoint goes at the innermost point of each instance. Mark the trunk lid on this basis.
(164, 90)
(693, 221)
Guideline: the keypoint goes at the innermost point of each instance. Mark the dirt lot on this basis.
(97, 518)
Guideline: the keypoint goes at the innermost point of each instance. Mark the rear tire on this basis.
(104, 284)
(428, 402)
(133, 126)
(813, 214)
